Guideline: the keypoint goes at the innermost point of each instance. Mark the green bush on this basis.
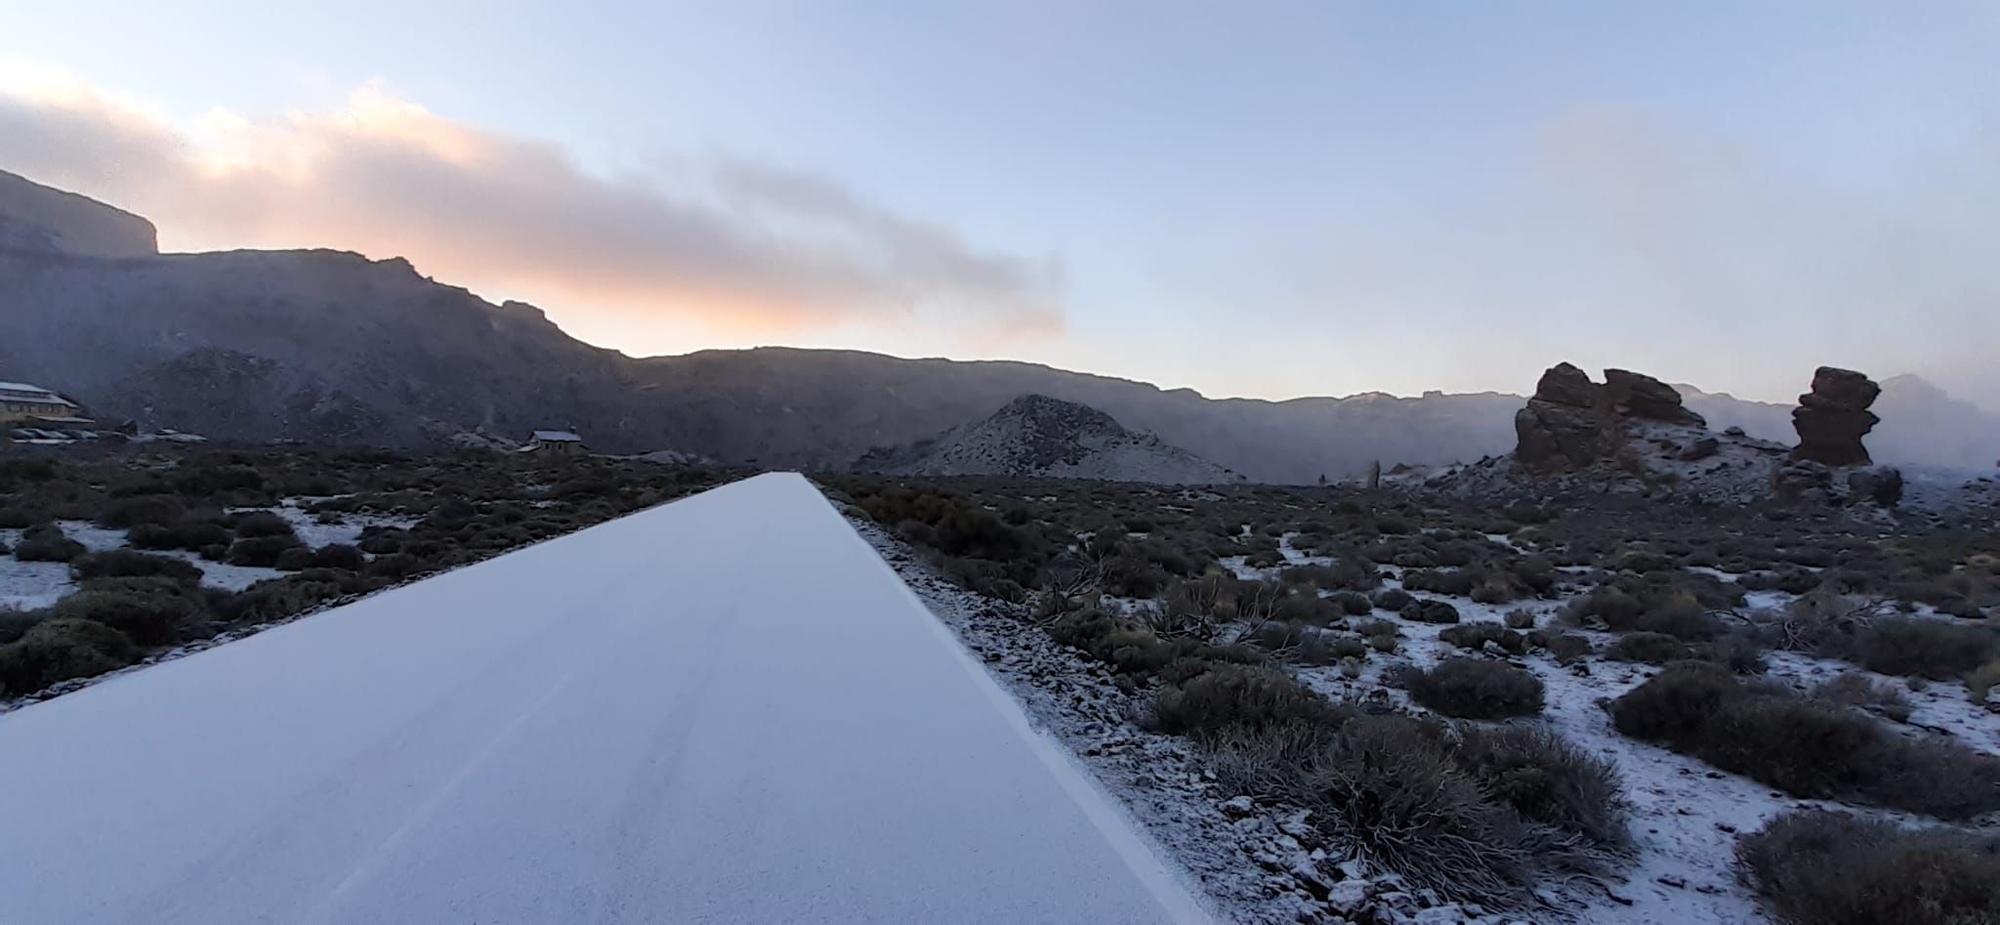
(1474, 688)
(61, 649)
(1814, 867)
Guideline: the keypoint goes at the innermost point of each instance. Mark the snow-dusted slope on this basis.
(725, 709)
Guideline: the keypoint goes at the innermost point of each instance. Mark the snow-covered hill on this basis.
(1039, 436)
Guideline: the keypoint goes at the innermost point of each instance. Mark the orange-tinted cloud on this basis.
(719, 245)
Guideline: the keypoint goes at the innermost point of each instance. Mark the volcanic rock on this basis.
(1642, 396)
(1564, 384)
(1834, 416)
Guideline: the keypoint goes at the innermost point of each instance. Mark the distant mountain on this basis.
(1036, 435)
(36, 217)
(326, 346)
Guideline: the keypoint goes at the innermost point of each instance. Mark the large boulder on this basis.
(1564, 384)
(1551, 436)
(1641, 396)
(1833, 417)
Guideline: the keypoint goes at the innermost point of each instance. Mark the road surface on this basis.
(726, 709)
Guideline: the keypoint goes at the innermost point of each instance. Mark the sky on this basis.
(1250, 199)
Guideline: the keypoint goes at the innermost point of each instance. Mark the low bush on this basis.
(1453, 582)
(141, 509)
(338, 555)
(1241, 698)
(1805, 748)
(263, 524)
(126, 563)
(1429, 611)
(261, 551)
(1925, 648)
(1547, 780)
(149, 610)
(1569, 648)
(1474, 688)
(46, 543)
(1651, 648)
(1392, 599)
(1815, 867)
(61, 649)
(186, 534)
(1475, 636)
(1857, 690)
(1392, 787)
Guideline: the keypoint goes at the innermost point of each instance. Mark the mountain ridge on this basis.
(160, 338)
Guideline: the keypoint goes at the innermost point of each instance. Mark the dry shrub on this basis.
(1475, 688)
(1815, 867)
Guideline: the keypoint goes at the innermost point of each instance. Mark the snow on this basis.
(30, 585)
(585, 729)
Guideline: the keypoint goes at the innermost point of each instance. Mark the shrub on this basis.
(1651, 648)
(1802, 747)
(1570, 647)
(46, 543)
(1388, 786)
(1392, 599)
(264, 524)
(1234, 696)
(1857, 690)
(149, 610)
(394, 567)
(1354, 603)
(1430, 611)
(1547, 780)
(338, 555)
(263, 551)
(1475, 636)
(186, 534)
(1829, 868)
(1925, 648)
(125, 563)
(141, 509)
(1475, 688)
(61, 649)
(1454, 582)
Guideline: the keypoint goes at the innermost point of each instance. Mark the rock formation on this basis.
(1833, 417)
(1567, 424)
(1641, 396)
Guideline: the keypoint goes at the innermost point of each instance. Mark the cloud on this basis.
(1726, 246)
(718, 244)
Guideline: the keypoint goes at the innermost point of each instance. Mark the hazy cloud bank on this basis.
(714, 243)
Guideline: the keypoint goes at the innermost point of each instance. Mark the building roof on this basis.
(557, 436)
(21, 391)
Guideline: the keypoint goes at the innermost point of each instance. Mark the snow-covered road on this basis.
(725, 709)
